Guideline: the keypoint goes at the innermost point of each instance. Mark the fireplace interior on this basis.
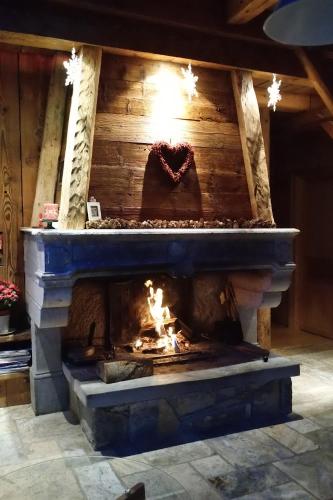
(166, 323)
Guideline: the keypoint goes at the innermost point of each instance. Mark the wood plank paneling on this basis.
(10, 165)
(123, 179)
(34, 75)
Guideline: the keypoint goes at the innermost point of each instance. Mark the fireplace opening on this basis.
(158, 323)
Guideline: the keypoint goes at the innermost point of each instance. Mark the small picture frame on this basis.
(94, 210)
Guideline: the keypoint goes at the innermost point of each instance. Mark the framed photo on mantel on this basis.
(94, 209)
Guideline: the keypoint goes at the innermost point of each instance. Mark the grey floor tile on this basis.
(287, 491)
(46, 427)
(125, 466)
(74, 444)
(212, 466)
(249, 448)
(304, 425)
(177, 454)
(51, 481)
(11, 450)
(243, 481)
(158, 485)
(98, 481)
(313, 471)
(324, 418)
(323, 438)
(290, 438)
(196, 487)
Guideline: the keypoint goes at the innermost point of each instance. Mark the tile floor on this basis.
(293, 460)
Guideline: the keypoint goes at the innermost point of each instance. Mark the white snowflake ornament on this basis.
(72, 67)
(274, 95)
(190, 82)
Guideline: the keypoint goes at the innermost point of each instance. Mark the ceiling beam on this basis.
(243, 11)
(318, 83)
(60, 29)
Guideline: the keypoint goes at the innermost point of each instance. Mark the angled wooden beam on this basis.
(52, 135)
(318, 83)
(80, 135)
(252, 144)
(243, 11)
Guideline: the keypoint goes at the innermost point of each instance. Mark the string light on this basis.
(274, 95)
(190, 82)
(72, 66)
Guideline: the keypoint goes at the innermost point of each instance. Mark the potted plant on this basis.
(9, 294)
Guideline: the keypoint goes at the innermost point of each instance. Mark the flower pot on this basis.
(4, 321)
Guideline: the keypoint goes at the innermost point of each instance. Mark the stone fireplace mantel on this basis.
(54, 260)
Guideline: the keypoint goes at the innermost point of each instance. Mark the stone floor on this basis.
(293, 460)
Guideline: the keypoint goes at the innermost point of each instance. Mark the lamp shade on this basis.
(301, 22)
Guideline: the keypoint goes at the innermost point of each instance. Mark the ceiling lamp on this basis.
(301, 22)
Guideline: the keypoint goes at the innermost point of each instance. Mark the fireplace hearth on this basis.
(217, 382)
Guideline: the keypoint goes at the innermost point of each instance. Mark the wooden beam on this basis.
(318, 82)
(243, 11)
(265, 119)
(52, 135)
(252, 144)
(80, 135)
(133, 37)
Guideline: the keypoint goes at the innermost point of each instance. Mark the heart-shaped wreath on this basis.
(175, 160)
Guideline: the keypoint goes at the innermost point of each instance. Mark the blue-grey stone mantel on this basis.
(178, 252)
(55, 259)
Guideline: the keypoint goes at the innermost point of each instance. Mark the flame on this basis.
(158, 312)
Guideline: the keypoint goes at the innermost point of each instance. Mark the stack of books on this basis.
(14, 360)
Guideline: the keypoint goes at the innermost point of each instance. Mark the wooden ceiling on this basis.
(219, 34)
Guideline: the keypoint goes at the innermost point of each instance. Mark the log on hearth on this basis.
(119, 370)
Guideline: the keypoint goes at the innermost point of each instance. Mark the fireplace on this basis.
(190, 359)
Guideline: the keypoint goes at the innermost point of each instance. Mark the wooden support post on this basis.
(256, 168)
(51, 145)
(80, 136)
(252, 144)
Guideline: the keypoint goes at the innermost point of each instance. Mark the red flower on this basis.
(9, 294)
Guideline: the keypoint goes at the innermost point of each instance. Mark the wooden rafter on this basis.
(317, 81)
(243, 11)
(322, 90)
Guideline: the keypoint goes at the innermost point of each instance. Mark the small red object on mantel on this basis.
(51, 211)
(50, 214)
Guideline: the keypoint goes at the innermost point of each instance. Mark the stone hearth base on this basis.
(163, 407)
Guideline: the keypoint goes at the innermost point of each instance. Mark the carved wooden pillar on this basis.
(256, 168)
(80, 136)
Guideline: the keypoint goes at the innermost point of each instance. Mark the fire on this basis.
(159, 313)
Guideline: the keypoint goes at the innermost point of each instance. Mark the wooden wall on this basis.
(302, 187)
(24, 79)
(126, 125)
